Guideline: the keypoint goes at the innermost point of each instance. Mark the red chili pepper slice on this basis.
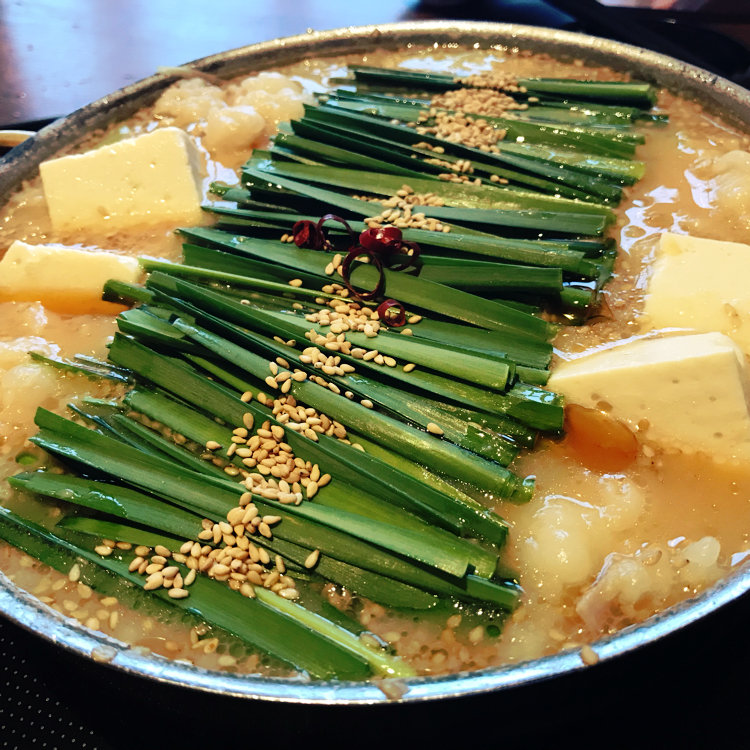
(376, 243)
(307, 234)
(357, 252)
(327, 244)
(392, 313)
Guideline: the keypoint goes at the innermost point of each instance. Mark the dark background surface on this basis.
(57, 55)
(689, 689)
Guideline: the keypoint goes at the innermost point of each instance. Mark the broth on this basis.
(583, 533)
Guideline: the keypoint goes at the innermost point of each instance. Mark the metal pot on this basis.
(732, 101)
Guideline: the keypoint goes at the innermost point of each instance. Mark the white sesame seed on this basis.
(154, 581)
(434, 429)
(588, 655)
(246, 589)
(312, 559)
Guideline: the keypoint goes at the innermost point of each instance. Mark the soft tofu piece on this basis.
(702, 285)
(692, 391)
(150, 179)
(65, 279)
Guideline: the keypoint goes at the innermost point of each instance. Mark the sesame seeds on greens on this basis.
(282, 435)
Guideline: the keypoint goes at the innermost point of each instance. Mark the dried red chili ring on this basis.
(385, 239)
(410, 259)
(307, 233)
(327, 244)
(392, 313)
(345, 268)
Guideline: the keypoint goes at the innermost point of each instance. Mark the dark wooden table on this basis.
(690, 689)
(56, 56)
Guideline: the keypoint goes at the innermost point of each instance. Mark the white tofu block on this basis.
(702, 285)
(64, 278)
(150, 179)
(692, 391)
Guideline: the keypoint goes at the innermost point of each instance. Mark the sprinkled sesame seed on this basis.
(476, 634)
(434, 429)
(588, 655)
(295, 282)
(154, 581)
(246, 589)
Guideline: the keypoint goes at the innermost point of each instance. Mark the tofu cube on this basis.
(150, 179)
(702, 285)
(65, 279)
(685, 392)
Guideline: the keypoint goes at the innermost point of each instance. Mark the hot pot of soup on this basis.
(380, 364)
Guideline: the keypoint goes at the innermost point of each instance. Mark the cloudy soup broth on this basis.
(617, 529)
